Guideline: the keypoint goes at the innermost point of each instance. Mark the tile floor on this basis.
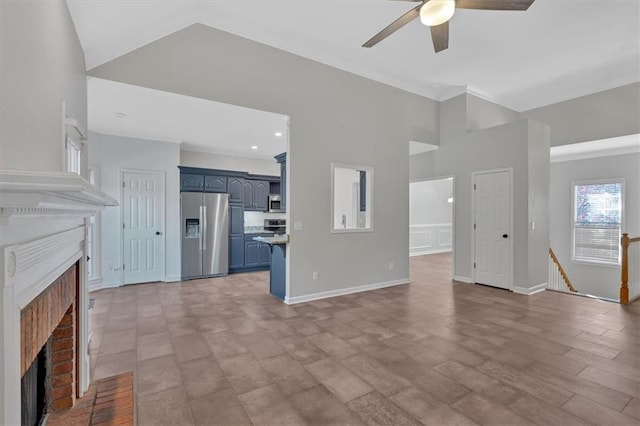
(224, 352)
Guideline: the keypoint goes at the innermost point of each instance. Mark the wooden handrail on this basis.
(625, 241)
(561, 269)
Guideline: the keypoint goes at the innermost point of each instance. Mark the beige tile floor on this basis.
(224, 352)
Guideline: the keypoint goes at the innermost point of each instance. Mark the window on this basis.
(74, 156)
(597, 221)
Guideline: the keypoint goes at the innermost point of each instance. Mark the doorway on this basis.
(431, 204)
(143, 225)
(492, 228)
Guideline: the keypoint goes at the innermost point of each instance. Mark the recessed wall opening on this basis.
(431, 224)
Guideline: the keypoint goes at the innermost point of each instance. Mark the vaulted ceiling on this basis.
(554, 51)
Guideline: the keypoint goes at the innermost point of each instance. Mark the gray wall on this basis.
(598, 280)
(335, 117)
(522, 145)
(225, 162)
(110, 155)
(41, 65)
(602, 115)
(482, 114)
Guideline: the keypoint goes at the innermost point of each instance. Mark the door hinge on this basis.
(123, 266)
(474, 265)
(474, 186)
(474, 226)
(123, 226)
(123, 184)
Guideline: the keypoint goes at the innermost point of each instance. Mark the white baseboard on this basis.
(343, 291)
(462, 279)
(172, 279)
(101, 285)
(531, 290)
(424, 252)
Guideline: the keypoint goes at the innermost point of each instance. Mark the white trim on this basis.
(462, 279)
(509, 170)
(27, 269)
(172, 279)
(426, 252)
(532, 290)
(343, 291)
(102, 285)
(369, 201)
(36, 194)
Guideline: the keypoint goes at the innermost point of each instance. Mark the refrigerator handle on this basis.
(201, 230)
(205, 230)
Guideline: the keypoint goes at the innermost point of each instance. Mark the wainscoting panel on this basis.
(429, 239)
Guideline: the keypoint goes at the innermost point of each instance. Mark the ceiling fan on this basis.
(436, 14)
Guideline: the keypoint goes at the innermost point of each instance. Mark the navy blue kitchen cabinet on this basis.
(256, 195)
(236, 236)
(236, 252)
(191, 182)
(235, 186)
(251, 253)
(215, 184)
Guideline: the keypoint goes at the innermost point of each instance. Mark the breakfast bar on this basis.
(278, 269)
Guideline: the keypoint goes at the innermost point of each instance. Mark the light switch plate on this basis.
(297, 226)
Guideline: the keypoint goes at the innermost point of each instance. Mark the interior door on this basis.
(492, 217)
(143, 225)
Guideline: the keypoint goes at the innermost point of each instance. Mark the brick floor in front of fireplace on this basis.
(108, 401)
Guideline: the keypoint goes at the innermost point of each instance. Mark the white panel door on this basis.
(143, 225)
(492, 217)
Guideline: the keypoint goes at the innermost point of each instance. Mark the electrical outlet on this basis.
(315, 275)
(391, 265)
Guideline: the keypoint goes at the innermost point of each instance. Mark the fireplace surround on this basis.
(43, 283)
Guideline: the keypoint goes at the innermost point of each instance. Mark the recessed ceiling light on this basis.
(278, 134)
(120, 114)
(254, 146)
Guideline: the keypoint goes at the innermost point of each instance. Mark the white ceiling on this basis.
(197, 124)
(558, 49)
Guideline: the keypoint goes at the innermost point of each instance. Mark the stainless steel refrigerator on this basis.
(205, 234)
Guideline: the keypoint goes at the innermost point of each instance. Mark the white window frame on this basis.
(574, 184)
(74, 144)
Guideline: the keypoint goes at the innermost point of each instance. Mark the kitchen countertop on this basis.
(276, 239)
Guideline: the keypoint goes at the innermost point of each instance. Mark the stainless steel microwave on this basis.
(275, 203)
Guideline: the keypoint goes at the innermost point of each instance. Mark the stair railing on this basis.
(558, 279)
(630, 275)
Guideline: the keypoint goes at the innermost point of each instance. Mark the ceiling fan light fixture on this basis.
(437, 12)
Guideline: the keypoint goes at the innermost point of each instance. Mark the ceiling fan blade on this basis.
(440, 36)
(394, 26)
(494, 4)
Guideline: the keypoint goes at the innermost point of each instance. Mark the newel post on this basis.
(624, 278)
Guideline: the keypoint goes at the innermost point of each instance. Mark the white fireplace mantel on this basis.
(35, 248)
(28, 193)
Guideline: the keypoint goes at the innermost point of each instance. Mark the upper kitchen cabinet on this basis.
(256, 195)
(215, 184)
(235, 185)
(191, 182)
(282, 160)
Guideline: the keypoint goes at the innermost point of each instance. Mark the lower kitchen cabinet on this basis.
(236, 251)
(256, 253)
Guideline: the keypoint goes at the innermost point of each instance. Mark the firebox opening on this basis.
(34, 392)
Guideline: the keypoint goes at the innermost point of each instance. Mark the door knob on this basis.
(158, 233)
(505, 236)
